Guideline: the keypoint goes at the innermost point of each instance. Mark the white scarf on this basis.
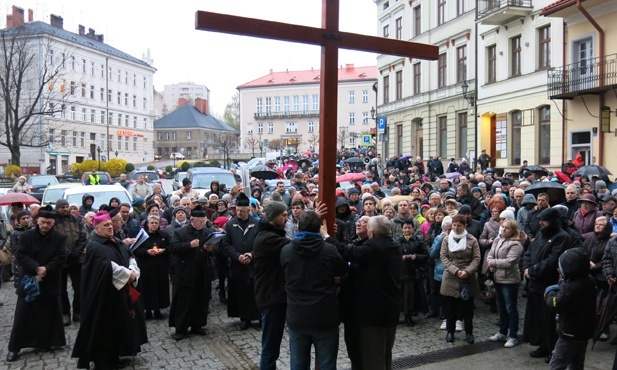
(455, 246)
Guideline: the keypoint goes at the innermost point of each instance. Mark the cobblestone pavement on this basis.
(227, 347)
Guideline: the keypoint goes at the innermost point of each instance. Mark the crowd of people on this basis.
(427, 252)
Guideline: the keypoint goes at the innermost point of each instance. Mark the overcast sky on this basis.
(221, 62)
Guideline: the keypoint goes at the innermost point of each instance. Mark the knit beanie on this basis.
(273, 209)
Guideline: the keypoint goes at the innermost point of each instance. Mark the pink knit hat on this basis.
(99, 217)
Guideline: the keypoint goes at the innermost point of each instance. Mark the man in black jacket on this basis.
(311, 266)
(378, 293)
(41, 254)
(76, 241)
(465, 197)
(192, 259)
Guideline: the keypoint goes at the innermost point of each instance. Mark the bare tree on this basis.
(252, 143)
(30, 88)
(227, 142)
(274, 144)
(313, 141)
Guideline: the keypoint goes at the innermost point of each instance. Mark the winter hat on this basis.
(174, 198)
(181, 208)
(138, 202)
(99, 217)
(447, 221)
(529, 199)
(507, 214)
(600, 184)
(61, 203)
(464, 210)
(273, 209)
(198, 212)
(353, 190)
(548, 214)
(220, 221)
(242, 200)
(22, 213)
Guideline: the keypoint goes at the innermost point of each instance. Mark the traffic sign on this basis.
(381, 124)
(367, 140)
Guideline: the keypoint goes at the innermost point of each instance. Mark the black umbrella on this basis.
(592, 170)
(606, 309)
(263, 172)
(308, 163)
(537, 170)
(354, 160)
(556, 191)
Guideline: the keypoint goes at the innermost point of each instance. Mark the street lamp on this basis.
(471, 100)
(98, 149)
(374, 117)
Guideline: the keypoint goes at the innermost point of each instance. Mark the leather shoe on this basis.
(547, 359)
(450, 337)
(469, 338)
(178, 336)
(12, 356)
(244, 324)
(539, 353)
(200, 331)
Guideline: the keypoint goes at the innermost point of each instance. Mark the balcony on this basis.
(592, 76)
(501, 12)
(285, 115)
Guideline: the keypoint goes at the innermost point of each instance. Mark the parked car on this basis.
(201, 177)
(39, 183)
(177, 183)
(101, 193)
(55, 192)
(148, 174)
(104, 178)
(176, 155)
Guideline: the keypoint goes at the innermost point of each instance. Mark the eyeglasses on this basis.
(361, 222)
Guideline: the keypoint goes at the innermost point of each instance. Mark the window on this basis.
(92, 136)
(417, 79)
(364, 96)
(134, 101)
(109, 95)
(92, 69)
(126, 78)
(134, 79)
(110, 118)
(103, 139)
(286, 104)
(73, 111)
(134, 121)
(268, 106)
(102, 94)
(260, 128)
(311, 126)
(145, 82)
(461, 63)
(92, 115)
(75, 138)
(545, 135)
(119, 97)
(305, 103)
(365, 118)
(398, 25)
(102, 117)
(119, 75)
(109, 139)
(92, 92)
(352, 96)
(73, 63)
(515, 59)
(491, 55)
(399, 85)
(84, 114)
(277, 103)
(259, 106)
(126, 143)
(249, 129)
(82, 139)
(460, 7)
(544, 43)
(102, 70)
(110, 74)
(51, 136)
(119, 119)
(352, 118)
(83, 66)
(188, 135)
(517, 122)
(441, 71)
(126, 120)
(443, 136)
(386, 30)
(291, 127)
(315, 102)
(462, 135)
(120, 142)
(134, 144)
(50, 53)
(417, 20)
(63, 138)
(145, 103)
(441, 12)
(296, 103)
(160, 136)
(126, 99)
(174, 137)
(352, 140)
(386, 89)
(83, 90)
(270, 127)
(72, 91)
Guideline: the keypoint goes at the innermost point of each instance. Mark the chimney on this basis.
(100, 38)
(202, 105)
(15, 19)
(30, 15)
(181, 102)
(91, 33)
(81, 30)
(56, 21)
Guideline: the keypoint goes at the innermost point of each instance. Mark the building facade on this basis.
(285, 106)
(100, 105)
(183, 90)
(583, 82)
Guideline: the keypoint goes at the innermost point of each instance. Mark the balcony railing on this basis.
(591, 76)
(500, 12)
(294, 114)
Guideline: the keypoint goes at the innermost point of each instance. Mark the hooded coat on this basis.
(346, 222)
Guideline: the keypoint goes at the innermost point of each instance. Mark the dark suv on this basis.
(39, 183)
(104, 178)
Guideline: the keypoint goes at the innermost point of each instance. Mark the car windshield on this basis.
(42, 180)
(52, 195)
(203, 180)
(100, 197)
(147, 174)
(103, 179)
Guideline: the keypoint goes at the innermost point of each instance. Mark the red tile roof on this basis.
(557, 6)
(347, 73)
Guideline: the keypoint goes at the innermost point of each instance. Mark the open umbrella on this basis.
(452, 175)
(606, 309)
(351, 177)
(592, 170)
(539, 170)
(263, 172)
(556, 191)
(308, 152)
(9, 198)
(406, 156)
(354, 160)
(306, 161)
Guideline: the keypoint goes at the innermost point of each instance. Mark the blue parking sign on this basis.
(381, 124)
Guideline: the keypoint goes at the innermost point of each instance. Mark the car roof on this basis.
(64, 185)
(93, 189)
(207, 170)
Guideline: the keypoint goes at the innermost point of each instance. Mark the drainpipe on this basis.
(600, 73)
(564, 106)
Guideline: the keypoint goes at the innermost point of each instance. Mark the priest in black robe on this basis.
(40, 253)
(112, 323)
(192, 259)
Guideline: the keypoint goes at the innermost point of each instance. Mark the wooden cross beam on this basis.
(330, 39)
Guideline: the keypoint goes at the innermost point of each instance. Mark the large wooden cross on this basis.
(330, 39)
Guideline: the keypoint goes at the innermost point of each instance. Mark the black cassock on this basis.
(38, 323)
(111, 326)
(154, 278)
